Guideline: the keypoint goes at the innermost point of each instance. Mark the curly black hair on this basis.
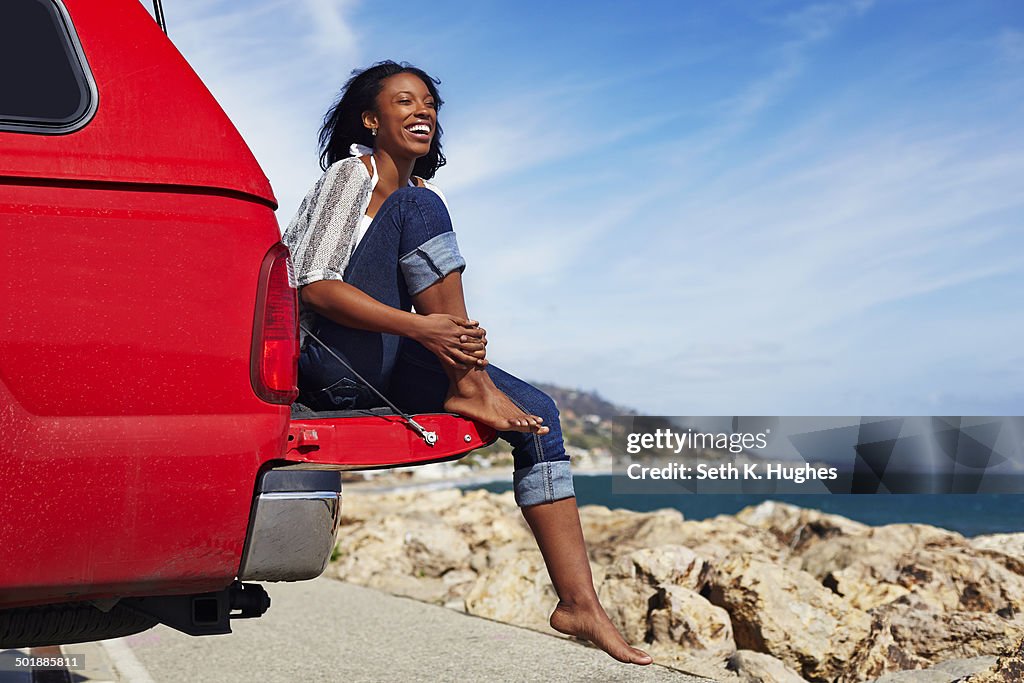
(343, 124)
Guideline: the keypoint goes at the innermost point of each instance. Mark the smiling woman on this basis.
(373, 239)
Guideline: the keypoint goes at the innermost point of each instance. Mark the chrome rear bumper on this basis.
(293, 525)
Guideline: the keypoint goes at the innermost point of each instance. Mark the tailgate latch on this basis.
(303, 439)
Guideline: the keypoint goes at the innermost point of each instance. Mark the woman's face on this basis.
(406, 117)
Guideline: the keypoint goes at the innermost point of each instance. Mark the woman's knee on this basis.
(542, 405)
(428, 247)
(425, 199)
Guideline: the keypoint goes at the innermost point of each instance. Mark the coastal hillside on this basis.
(582, 403)
(586, 419)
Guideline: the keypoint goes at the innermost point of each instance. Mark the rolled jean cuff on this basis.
(544, 482)
(431, 261)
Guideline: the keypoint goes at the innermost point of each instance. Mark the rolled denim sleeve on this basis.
(431, 261)
(543, 482)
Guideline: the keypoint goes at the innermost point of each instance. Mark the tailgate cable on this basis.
(429, 437)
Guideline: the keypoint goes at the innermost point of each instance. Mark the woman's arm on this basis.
(440, 333)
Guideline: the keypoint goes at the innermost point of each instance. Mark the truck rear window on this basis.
(45, 85)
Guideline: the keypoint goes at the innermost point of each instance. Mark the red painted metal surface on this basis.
(130, 433)
(156, 122)
(382, 440)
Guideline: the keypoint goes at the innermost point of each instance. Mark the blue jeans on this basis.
(408, 247)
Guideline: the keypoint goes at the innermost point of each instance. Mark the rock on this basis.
(944, 672)
(459, 604)
(937, 566)
(723, 536)
(1008, 668)
(713, 667)
(649, 596)
(712, 539)
(517, 591)
(862, 586)
(459, 576)
(627, 602)
(796, 527)
(757, 667)
(479, 562)
(609, 532)
(371, 550)
(932, 634)
(665, 564)
(457, 583)
(1008, 544)
(392, 553)
(433, 547)
(1008, 549)
(879, 653)
(879, 543)
(786, 613)
(683, 617)
(486, 521)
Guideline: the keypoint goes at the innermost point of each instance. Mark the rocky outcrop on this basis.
(950, 671)
(787, 614)
(516, 591)
(774, 594)
(757, 667)
(1006, 669)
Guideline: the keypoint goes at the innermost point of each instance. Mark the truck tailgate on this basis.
(369, 439)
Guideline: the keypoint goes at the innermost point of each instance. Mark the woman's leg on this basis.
(543, 488)
(556, 526)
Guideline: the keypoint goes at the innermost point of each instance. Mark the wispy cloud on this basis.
(803, 29)
(501, 139)
(333, 34)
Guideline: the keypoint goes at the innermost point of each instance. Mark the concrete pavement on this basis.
(326, 630)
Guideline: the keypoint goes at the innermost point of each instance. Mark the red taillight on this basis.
(275, 340)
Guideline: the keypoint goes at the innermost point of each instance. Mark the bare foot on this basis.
(592, 624)
(475, 396)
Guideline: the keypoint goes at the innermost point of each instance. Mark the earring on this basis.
(373, 132)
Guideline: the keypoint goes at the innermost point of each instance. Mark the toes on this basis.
(519, 425)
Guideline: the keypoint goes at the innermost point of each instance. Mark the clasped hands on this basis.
(457, 342)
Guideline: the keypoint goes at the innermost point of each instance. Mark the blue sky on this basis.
(696, 208)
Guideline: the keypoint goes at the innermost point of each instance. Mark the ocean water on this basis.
(968, 514)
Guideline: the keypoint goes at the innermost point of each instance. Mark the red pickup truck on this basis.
(148, 341)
